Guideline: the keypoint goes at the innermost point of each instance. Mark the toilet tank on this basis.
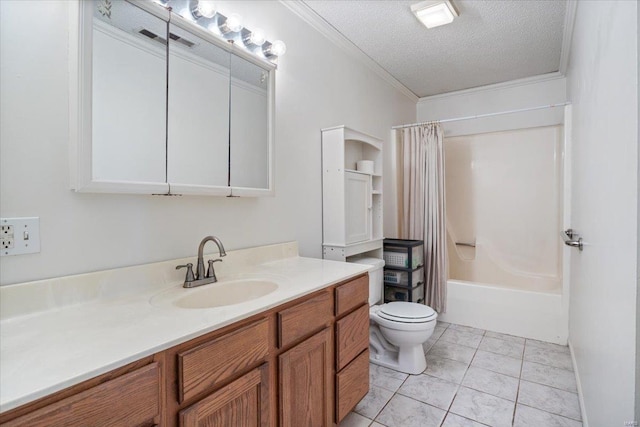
(376, 277)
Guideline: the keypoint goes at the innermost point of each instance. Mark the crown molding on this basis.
(567, 34)
(323, 27)
(511, 83)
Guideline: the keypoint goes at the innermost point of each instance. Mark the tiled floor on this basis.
(475, 378)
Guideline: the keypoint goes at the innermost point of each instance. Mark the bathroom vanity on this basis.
(296, 356)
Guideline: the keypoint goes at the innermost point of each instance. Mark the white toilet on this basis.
(398, 329)
(396, 335)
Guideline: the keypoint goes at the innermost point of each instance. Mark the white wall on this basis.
(603, 87)
(517, 94)
(318, 85)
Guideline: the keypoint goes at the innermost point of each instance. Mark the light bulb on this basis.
(234, 22)
(206, 8)
(257, 37)
(278, 48)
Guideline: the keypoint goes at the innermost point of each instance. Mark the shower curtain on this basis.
(421, 202)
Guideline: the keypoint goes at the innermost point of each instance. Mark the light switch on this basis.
(19, 236)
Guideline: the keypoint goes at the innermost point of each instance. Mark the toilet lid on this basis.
(408, 312)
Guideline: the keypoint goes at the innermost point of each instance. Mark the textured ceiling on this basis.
(490, 42)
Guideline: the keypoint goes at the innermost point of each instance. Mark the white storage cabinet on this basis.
(351, 199)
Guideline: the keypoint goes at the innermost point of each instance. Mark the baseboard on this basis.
(585, 422)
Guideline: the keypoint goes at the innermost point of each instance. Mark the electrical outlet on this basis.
(6, 242)
(19, 236)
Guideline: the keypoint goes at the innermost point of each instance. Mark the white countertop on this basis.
(60, 332)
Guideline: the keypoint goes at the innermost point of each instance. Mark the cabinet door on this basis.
(306, 385)
(243, 403)
(357, 207)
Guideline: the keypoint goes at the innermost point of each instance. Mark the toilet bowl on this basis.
(397, 329)
(397, 332)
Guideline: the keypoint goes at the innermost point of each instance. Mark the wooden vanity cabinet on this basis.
(303, 363)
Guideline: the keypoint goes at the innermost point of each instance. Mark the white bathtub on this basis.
(507, 265)
(531, 314)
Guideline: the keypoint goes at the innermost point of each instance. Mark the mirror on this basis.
(249, 125)
(129, 94)
(198, 125)
(162, 105)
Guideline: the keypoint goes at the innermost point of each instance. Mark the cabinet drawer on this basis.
(352, 384)
(214, 362)
(352, 336)
(352, 294)
(132, 399)
(304, 318)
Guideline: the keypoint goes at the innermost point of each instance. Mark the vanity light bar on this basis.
(206, 15)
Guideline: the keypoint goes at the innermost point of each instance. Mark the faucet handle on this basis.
(189, 277)
(210, 271)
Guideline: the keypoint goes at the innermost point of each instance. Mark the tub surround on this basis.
(59, 332)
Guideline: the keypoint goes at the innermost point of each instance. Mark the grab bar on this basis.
(568, 237)
(471, 245)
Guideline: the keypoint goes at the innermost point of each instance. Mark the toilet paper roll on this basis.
(365, 166)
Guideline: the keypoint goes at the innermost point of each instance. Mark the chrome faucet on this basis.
(200, 277)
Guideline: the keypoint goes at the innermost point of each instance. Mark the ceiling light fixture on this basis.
(433, 13)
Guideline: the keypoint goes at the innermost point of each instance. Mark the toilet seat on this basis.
(406, 312)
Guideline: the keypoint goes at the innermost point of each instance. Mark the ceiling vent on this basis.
(181, 40)
(153, 36)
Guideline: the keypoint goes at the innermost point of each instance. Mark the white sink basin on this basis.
(219, 294)
(227, 293)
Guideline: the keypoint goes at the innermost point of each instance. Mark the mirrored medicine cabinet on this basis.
(159, 105)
